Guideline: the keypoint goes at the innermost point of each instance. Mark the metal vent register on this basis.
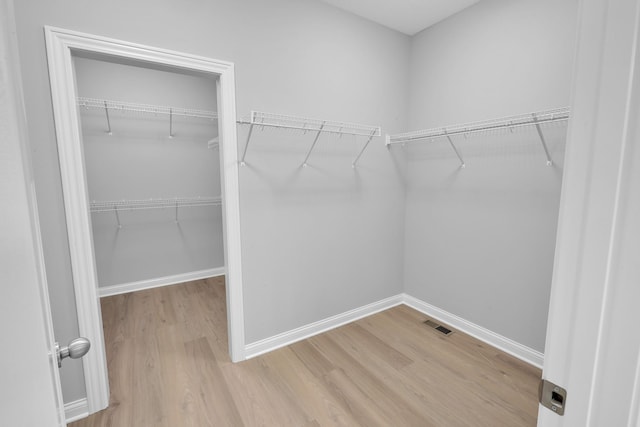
(438, 327)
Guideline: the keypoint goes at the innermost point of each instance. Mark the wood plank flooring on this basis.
(169, 366)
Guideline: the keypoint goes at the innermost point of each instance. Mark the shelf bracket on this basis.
(170, 122)
(353, 165)
(106, 112)
(542, 140)
(314, 144)
(115, 209)
(246, 145)
(454, 149)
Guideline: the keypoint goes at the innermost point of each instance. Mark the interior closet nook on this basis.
(323, 191)
(153, 174)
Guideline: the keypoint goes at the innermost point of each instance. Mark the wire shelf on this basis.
(305, 124)
(537, 118)
(531, 119)
(260, 118)
(121, 205)
(103, 104)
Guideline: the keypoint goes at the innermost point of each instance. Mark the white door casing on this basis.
(592, 346)
(60, 45)
(30, 394)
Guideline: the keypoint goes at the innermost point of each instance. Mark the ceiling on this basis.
(407, 16)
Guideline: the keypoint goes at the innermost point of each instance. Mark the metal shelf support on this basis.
(542, 140)
(373, 133)
(304, 164)
(455, 149)
(115, 209)
(170, 122)
(246, 145)
(106, 112)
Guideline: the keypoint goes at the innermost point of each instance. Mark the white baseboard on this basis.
(522, 352)
(76, 410)
(161, 281)
(281, 340)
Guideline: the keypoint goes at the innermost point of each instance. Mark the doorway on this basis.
(62, 46)
(150, 141)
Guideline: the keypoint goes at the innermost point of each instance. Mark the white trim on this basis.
(634, 413)
(60, 44)
(77, 216)
(281, 340)
(229, 164)
(124, 288)
(498, 341)
(522, 352)
(76, 410)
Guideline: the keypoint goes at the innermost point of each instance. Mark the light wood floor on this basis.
(168, 366)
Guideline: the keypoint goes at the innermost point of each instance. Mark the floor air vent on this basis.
(438, 327)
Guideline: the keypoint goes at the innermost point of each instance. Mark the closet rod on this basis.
(537, 118)
(144, 108)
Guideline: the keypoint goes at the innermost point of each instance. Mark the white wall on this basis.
(480, 240)
(316, 242)
(139, 161)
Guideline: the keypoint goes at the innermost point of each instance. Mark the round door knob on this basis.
(75, 349)
(79, 347)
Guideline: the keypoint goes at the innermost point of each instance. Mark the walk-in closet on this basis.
(300, 212)
(150, 141)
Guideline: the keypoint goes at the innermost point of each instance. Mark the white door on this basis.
(29, 381)
(593, 345)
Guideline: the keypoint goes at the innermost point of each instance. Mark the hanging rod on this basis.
(105, 104)
(116, 205)
(318, 126)
(510, 122)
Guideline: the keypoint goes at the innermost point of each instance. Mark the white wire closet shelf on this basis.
(137, 108)
(530, 119)
(140, 204)
(111, 205)
(304, 124)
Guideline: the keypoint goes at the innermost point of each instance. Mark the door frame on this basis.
(61, 43)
